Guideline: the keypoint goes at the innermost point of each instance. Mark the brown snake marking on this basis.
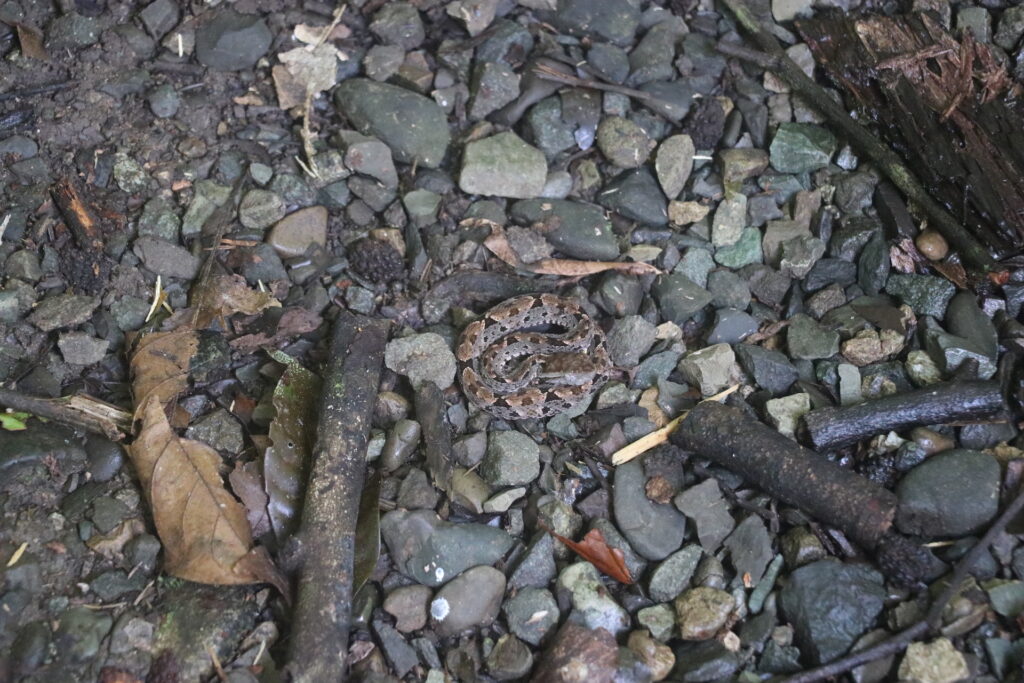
(514, 372)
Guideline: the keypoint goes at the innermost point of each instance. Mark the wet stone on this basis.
(408, 605)
(506, 43)
(417, 133)
(673, 574)
(422, 358)
(729, 289)
(801, 147)
(531, 614)
(432, 552)
(731, 326)
(800, 546)
(80, 632)
(799, 254)
(807, 339)
(503, 165)
(702, 612)
(949, 352)
(709, 368)
(79, 348)
(72, 30)
(623, 142)
(492, 87)
(609, 61)
(965, 318)
(695, 265)
(509, 659)
(259, 209)
(232, 41)
(830, 271)
(740, 164)
(636, 195)
(29, 649)
(295, 233)
(18, 146)
(537, 567)
(679, 298)
(747, 250)
(934, 662)
(729, 221)
(953, 493)
(166, 258)
(750, 548)
(770, 369)
(399, 653)
(817, 592)
(512, 458)
(398, 23)
(629, 339)
(591, 602)
(546, 128)
(372, 157)
(63, 311)
(926, 294)
(615, 21)
(655, 530)
(659, 620)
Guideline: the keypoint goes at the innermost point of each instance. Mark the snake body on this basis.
(532, 356)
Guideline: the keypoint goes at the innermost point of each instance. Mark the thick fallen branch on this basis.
(787, 471)
(319, 643)
(931, 621)
(831, 428)
(887, 160)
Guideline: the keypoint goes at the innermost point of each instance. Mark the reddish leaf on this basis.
(595, 550)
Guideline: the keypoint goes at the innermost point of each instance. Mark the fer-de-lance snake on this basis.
(532, 356)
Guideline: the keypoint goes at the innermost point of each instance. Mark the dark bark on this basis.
(830, 428)
(948, 107)
(319, 642)
(784, 469)
(437, 439)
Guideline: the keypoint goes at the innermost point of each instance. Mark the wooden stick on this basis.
(888, 161)
(832, 427)
(79, 412)
(326, 538)
(787, 471)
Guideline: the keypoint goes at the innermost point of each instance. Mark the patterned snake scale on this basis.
(532, 356)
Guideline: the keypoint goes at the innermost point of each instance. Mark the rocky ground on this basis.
(787, 268)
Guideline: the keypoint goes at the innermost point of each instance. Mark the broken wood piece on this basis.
(835, 427)
(785, 470)
(437, 438)
(319, 642)
(78, 411)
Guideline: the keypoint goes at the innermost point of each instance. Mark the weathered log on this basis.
(787, 471)
(830, 428)
(319, 643)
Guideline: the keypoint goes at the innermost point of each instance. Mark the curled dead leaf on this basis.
(160, 363)
(220, 296)
(498, 244)
(203, 528)
(594, 549)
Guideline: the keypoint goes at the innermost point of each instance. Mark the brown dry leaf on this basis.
(220, 296)
(160, 365)
(293, 322)
(649, 400)
(311, 35)
(315, 68)
(497, 242)
(247, 484)
(594, 549)
(203, 528)
(290, 92)
(31, 41)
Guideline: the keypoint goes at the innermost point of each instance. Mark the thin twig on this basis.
(888, 161)
(35, 90)
(932, 619)
(548, 74)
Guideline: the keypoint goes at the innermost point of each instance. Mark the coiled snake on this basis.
(513, 365)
